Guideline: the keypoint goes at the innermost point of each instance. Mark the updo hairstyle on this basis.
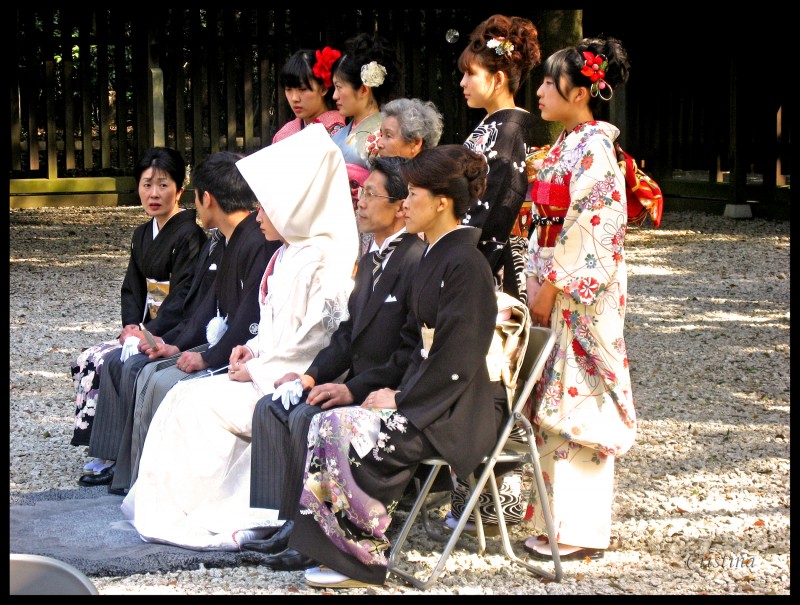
(570, 61)
(453, 171)
(361, 50)
(516, 64)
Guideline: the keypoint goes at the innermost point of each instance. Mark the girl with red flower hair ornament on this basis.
(306, 78)
(577, 285)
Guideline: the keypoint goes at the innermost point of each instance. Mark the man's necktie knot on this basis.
(379, 256)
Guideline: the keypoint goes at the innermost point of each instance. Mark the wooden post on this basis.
(738, 180)
(155, 90)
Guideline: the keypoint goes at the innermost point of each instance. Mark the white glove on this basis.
(289, 393)
(129, 347)
(216, 328)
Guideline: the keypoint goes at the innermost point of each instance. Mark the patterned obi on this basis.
(156, 293)
(551, 201)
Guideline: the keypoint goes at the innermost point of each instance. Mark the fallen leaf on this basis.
(759, 523)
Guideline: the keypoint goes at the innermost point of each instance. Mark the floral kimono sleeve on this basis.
(589, 248)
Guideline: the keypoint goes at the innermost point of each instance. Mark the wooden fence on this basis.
(92, 87)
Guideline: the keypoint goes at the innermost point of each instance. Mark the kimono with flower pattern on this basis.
(168, 257)
(585, 413)
(361, 459)
(504, 139)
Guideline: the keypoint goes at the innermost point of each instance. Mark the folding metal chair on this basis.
(40, 575)
(540, 344)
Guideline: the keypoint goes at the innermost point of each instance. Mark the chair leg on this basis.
(400, 540)
(469, 507)
(432, 531)
(546, 513)
(476, 511)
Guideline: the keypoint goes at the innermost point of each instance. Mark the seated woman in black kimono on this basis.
(160, 270)
(361, 458)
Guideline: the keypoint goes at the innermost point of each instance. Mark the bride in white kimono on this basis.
(193, 487)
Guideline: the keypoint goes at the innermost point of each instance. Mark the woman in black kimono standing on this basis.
(361, 458)
(497, 61)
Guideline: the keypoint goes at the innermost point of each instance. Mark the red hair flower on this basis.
(325, 60)
(594, 68)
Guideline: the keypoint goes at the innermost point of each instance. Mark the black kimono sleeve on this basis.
(464, 317)
(507, 183)
(187, 239)
(133, 293)
(169, 257)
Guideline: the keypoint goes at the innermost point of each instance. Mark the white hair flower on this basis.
(373, 74)
(501, 46)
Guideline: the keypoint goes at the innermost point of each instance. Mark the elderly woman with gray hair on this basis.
(408, 127)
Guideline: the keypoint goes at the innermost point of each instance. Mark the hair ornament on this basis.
(501, 46)
(373, 74)
(325, 60)
(594, 68)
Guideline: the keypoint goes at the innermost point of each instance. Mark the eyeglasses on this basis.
(363, 194)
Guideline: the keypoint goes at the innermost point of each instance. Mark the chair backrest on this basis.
(540, 345)
(509, 343)
(39, 575)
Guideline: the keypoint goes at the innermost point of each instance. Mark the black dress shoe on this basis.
(104, 477)
(289, 560)
(276, 543)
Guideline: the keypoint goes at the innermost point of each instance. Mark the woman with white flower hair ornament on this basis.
(499, 57)
(193, 487)
(364, 78)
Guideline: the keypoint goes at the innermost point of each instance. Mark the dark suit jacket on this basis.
(235, 293)
(370, 345)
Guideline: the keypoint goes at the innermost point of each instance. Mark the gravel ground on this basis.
(702, 503)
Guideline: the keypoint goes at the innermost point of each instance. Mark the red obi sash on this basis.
(551, 201)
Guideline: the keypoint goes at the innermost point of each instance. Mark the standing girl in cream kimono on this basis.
(577, 285)
(193, 487)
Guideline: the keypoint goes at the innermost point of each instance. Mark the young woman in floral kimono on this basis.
(306, 79)
(577, 285)
(160, 271)
(361, 458)
(364, 78)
